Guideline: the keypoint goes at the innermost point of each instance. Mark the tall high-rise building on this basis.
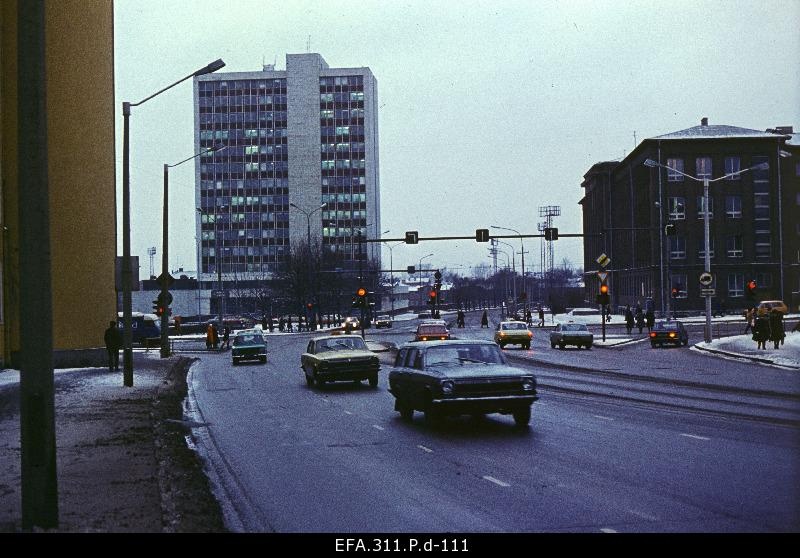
(295, 139)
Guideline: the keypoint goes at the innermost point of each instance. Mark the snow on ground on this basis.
(787, 354)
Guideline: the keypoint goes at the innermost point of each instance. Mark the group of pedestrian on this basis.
(460, 319)
(769, 328)
(213, 340)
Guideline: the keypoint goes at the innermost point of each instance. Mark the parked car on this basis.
(672, 332)
(383, 321)
(143, 326)
(335, 358)
(455, 377)
(248, 344)
(430, 331)
(513, 333)
(765, 307)
(571, 334)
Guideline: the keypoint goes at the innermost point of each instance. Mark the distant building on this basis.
(296, 139)
(754, 219)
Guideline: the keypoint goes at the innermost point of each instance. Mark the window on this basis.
(733, 207)
(700, 207)
(763, 242)
(764, 280)
(703, 167)
(701, 247)
(733, 164)
(733, 246)
(735, 285)
(676, 207)
(677, 247)
(761, 207)
(672, 175)
(678, 281)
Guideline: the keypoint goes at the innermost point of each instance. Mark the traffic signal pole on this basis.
(163, 304)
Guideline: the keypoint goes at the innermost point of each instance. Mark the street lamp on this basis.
(522, 246)
(308, 215)
(127, 276)
(706, 225)
(164, 278)
(513, 271)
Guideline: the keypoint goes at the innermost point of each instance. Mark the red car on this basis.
(431, 332)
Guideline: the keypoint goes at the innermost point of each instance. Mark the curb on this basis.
(745, 357)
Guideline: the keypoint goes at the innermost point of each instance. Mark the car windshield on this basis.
(514, 326)
(667, 326)
(431, 330)
(446, 355)
(586, 312)
(341, 344)
(248, 339)
(574, 327)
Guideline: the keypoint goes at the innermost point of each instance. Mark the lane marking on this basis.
(643, 515)
(378, 427)
(607, 530)
(496, 481)
(348, 413)
(423, 448)
(601, 417)
(695, 437)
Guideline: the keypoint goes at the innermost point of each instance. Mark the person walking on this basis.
(113, 340)
(209, 336)
(226, 337)
(776, 330)
(650, 318)
(289, 326)
(639, 319)
(281, 324)
(484, 320)
(628, 319)
(215, 336)
(271, 324)
(761, 331)
(748, 317)
(541, 317)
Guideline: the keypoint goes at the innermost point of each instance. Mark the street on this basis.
(625, 451)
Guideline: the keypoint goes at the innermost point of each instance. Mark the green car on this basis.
(335, 358)
(513, 333)
(248, 344)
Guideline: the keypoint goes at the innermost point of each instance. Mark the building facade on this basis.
(649, 220)
(79, 50)
(294, 140)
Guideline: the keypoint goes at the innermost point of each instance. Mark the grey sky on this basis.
(488, 110)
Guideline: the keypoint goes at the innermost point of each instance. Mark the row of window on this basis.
(234, 200)
(344, 198)
(341, 114)
(250, 237)
(341, 131)
(270, 110)
(735, 284)
(257, 98)
(352, 97)
(341, 80)
(270, 186)
(734, 246)
(703, 167)
(676, 207)
(341, 215)
(357, 182)
(343, 164)
(343, 232)
(239, 86)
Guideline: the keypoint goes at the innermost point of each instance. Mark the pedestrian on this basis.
(215, 336)
(209, 336)
(528, 317)
(484, 320)
(776, 330)
(640, 320)
(226, 337)
(178, 325)
(264, 323)
(748, 317)
(289, 326)
(761, 332)
(300, 324)
(541, 317)
(113, 341)
(271, 324)
(628, 319)
(281, 324)
(650, 318)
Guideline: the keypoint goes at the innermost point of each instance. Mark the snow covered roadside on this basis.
(743, 346)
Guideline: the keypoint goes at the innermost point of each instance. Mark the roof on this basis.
(440, 342)
(719, 131)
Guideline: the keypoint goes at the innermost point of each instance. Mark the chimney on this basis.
(704, 121)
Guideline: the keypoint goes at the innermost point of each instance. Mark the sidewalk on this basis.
(743, 347)
(122, 460)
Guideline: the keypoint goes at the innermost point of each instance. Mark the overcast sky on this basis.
(488, 110)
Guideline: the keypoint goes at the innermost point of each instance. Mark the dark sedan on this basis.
(456, 377)
(248, 345)
(671, 332)
(339, 358)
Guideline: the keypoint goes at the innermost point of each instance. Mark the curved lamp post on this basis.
(706, 226)
(391, 266)
(522, 246)
(308, 215)
(127, 276)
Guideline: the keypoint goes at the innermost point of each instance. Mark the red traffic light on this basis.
(433, 294)
(751, 285)
(361, 291)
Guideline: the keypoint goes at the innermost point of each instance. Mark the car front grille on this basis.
(480, 388)
(351, 365)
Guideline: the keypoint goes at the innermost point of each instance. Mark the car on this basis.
(144, 327)
(571, 334)
(351, 323)
(513, 333)
(765, 307)
(672, 332)
(459, 376)
(383, 321)
(336, 358)
(430, 331)
(248, 344)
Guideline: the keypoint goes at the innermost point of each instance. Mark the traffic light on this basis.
(603, 298)
(551, 233)
(676, 290)
(750, 289)
(360, 300)
(482, 235)
(412, 237)
(157, 306)
(310, 305)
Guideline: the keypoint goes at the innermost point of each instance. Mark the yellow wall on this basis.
(81, 168)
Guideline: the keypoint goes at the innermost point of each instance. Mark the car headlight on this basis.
(528, 384)
(447, 387)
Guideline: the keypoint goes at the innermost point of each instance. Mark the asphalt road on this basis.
(293, 459)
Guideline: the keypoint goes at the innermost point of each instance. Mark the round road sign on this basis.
(706, 279)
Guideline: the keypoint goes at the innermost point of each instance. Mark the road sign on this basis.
(602, 275)
(708, 292)
(217, 293)
(706, 279)
(166, 278)
(603, 260)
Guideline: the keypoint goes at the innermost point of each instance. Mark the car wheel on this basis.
(527, 346)
(309, 380)
(234, 362)
(552, 345)
(406, 410)
(263, 360)
(522, 416)
(589, 346)
(502, 346)
(319, 381)
(561, 346)
(373, 381)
